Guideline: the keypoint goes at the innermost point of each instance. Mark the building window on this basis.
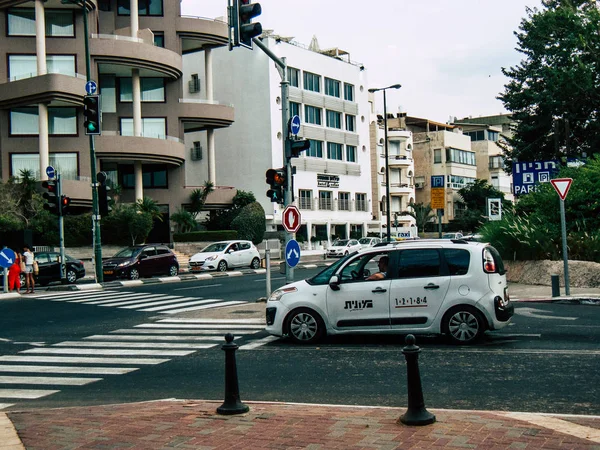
(476, 135)
(25, 66)
(152, 127)
(496, 162)
(350, 122)
(334, 119)
(350, 153)
(65, 163)
(344, 201)
(458, 182)
(437, 156)
(332, 87)
(334, 151)
(325, 200)
(361, 202)
(159, 39)
(294, 77)
(59, 23)
(312, 115)
(455, 155)
(349, 92)
(152, 90)
(61, 121)
(294, 109)
(492, 136)
(194, 84)
(145, 7)
(305, 199)
(109, 93)
(104, 5)
(316, 149)
(312, 82)
(154, 176)
(197, 151)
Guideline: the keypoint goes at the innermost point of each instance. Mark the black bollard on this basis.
(232, 404)
(555, 285)
(416, 414)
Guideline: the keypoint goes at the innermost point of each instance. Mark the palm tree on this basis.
(421, 213)
(198, 198)
(148, 205)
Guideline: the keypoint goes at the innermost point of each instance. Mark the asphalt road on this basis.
(546, 361)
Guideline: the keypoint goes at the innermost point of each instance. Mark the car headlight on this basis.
(276, 295)
(211, 258)
(124, 263)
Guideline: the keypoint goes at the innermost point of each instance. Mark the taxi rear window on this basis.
(457, 260)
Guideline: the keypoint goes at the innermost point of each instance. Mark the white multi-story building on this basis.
(332, 184)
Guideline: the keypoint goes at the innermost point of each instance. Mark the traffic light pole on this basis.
(285, 106)
(61, 226)
(95, 213)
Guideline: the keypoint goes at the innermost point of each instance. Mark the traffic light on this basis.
(297, 146)
(51, 196)
(277, 179)
(104, 199)
(243, 28)
(91, 114)
(64, 205)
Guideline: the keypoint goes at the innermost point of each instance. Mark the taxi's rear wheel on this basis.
(463, 325)
(305, 326)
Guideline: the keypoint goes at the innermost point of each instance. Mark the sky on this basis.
(446, 54)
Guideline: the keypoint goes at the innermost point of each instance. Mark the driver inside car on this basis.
(383, 267)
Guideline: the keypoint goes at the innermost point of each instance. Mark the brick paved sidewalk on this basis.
(195, 425)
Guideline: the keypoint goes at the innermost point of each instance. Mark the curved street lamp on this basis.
(387, 168)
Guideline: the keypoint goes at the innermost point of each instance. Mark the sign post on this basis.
(562, 185)
(438, 198)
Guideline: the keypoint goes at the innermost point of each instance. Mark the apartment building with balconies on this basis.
(136, 57)
(329, 92)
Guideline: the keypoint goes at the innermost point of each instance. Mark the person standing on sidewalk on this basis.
(29, 258)
(14, 274)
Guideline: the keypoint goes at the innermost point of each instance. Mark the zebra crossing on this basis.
(42, 371)
(158, 303)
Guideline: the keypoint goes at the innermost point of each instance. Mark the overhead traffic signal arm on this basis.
(91, 114)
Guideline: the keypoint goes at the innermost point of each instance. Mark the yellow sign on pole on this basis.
(438, 198)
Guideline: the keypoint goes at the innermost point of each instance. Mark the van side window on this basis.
(419, 263)
(458, 261)
(244, 245)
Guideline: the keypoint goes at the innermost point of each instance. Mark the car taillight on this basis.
(489, 265)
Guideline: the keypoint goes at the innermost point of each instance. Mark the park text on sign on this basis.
(437, 198)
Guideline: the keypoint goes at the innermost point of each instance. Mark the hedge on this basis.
(205, 236)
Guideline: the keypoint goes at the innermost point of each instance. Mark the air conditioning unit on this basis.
(196, 152)
(419, 185)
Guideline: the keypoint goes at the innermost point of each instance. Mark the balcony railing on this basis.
(24, 76)
(204, 101)
(145, 135)
(325, 204)
(118, 37)
(305, 203)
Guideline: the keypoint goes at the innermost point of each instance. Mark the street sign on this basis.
(437, 181)
(50, 172)
(292, 253)
(7, 258)
(91, 87)
(528, 175)
(295, 125)
(562, 185)
(291, 219)
(438, 198)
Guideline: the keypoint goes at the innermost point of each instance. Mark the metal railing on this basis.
(144, 135)
(24, 76)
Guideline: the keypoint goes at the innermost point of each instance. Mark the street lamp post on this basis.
(387, 167)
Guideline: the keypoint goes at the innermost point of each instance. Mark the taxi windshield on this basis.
(324, 276)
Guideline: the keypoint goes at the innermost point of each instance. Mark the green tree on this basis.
(474, 205)
(554, 92)
(421, 213)
(149, 206)
(184, 220)
(250, 223)
(125, 225)
(198, 198)
(221, 220)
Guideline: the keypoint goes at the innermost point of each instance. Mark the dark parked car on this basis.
(49, 265)
(141, 261)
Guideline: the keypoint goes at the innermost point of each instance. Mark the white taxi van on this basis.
(450, 287)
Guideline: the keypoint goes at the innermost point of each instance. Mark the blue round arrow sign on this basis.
(292, 253)
(295, 125)
(7, 258)
(50, 172)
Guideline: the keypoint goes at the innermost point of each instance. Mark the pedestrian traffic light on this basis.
(91, 114)
(64, 205)
(297, 146)
(277, 179)
(51, 196)
(104, 199)
(243, 28)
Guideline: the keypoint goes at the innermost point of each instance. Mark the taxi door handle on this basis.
(431, 286)
(379, 291)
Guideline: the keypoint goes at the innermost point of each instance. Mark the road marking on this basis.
(197, 287)
(28, 394)
(136, 303)
(162, 302)
(82, 360)
(62, 381)
(199, 327)
(191, 303)
(5, 340)
(208, 320)
(535, 313)
(5, 405)
(213, 305)
(108, 352)
(258, 343)
(126, 337)
(131, 344)
(198, 332)
(169, 279)
(562, 426)
(118, 299)
(68, 369)
(71, 294)
(262, 280)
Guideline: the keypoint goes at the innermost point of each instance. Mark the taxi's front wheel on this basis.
(305, 326)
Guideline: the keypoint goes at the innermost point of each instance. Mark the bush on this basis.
(250, 223)
(78, 230)
(205, 236)
(125, 225)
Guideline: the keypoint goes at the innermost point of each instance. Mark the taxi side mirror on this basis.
(334, 282)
